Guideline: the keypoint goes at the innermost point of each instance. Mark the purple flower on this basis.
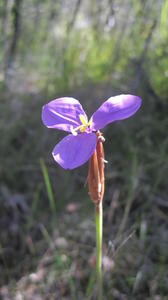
(67, 114)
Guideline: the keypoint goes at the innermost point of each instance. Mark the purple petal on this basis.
(74, 151)
(115, 108)
(62, 113)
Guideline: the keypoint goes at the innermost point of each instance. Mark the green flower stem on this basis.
(99, 234)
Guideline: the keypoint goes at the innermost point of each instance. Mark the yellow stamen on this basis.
(85, 124)
(82, 119)
(82, 127)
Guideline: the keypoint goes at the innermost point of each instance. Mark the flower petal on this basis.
(115, 108)
(74, 151)
(62, 113)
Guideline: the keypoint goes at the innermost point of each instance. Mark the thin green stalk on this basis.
(48, 186)
(99, 234)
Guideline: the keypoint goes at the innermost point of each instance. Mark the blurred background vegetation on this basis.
(89, 50)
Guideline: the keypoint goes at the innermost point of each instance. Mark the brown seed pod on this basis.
(96, 172)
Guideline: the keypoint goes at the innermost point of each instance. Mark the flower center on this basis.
(82, 127)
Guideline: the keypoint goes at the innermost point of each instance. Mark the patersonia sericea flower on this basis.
(68, 115)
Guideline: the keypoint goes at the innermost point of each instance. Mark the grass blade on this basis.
(48, 186)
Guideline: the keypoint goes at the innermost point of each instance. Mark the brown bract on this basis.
(96, 172)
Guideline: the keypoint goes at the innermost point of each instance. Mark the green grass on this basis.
(48, 187)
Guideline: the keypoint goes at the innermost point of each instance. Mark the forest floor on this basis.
(48, 251)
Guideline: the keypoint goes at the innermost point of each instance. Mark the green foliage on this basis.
(48, 187)
(163, 19)
(60, 51)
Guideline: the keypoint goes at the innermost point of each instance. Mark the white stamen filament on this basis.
(73, 131)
